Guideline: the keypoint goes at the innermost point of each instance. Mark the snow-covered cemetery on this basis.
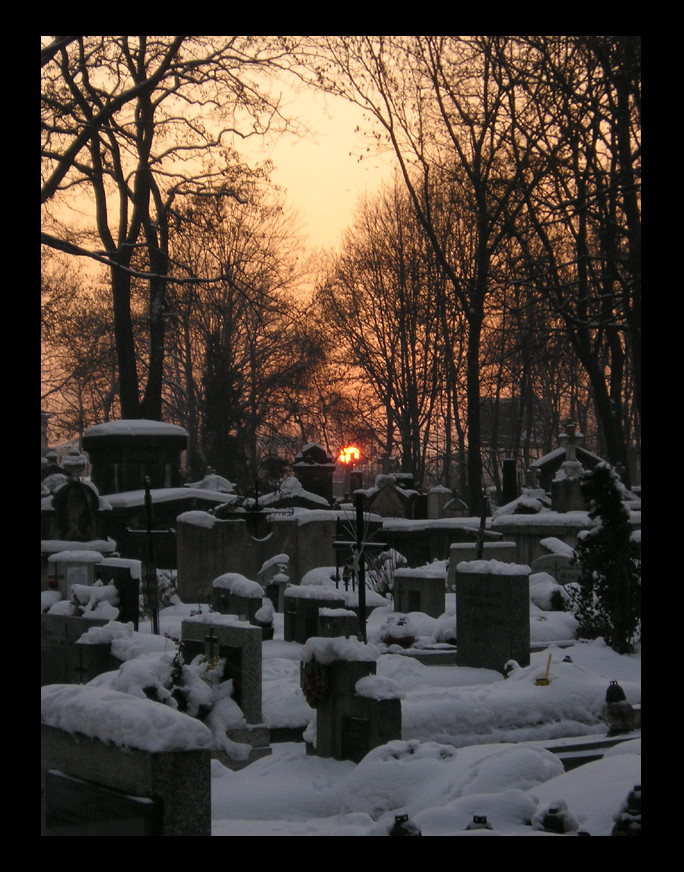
(341, 435)
(309, 668)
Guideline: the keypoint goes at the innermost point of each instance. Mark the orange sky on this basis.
(323, 180)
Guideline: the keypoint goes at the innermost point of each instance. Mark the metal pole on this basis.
(361, 567)
(483, 523)
(151, 569)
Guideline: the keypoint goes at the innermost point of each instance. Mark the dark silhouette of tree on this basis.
(608, 602)
(128, 124)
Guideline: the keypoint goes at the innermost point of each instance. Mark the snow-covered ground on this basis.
(473, 742)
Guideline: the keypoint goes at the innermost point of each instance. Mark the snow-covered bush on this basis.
(398, 630)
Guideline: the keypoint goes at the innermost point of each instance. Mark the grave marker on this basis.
(114, 779)
(348, 724)
(492, 614)
(239, 645)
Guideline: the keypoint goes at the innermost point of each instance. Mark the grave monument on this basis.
(354, 712)
(238, 644)
(492, 614)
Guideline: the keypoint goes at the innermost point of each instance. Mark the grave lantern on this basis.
(403, 826)
(617, 712)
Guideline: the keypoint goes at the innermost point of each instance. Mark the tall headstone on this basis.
(492, 614)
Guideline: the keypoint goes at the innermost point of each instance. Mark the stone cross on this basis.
(571, 440)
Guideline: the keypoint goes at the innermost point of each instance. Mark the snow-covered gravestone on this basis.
(302, 605)
(238, 644)
(356, 710)
(116, 765)
(234, 594)
(492, 614)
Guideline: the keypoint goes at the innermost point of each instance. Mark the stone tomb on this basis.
(492, 614)
(420, 591)
(111, 784)
(239, 645)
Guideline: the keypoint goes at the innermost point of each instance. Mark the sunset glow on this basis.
(350, 454)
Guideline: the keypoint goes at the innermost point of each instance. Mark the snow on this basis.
(492, 567)
(473, 742)
(135, 427)
(326, 650)
(120, 718)
(238, 584)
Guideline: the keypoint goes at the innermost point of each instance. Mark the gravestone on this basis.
(505, 551)
(437, 499)
(420, 591)
(67, 568)
(302, 604)
(492, 614)
(349, 723)
(75, 505)
(560, 566)
(389, 501)
(274, 579)
(101, 777)
(71, 572)
(337, 622)
(314, 468)
(239, 645)
(62, 659)
(233, 594)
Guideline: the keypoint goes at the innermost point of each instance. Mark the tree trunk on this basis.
(125, 345)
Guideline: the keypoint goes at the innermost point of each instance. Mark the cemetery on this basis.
(341, 429)
(368, 634)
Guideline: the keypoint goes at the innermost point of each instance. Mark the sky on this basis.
(322, 173)
(472, 743)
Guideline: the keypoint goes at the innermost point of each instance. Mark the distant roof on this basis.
(560, 452)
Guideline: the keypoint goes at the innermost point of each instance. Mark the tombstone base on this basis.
(258, 741)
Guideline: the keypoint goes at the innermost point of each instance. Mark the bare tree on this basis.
(576, 109)
(239, 347)
(127, 125)
(380, 300)
(78, 363)
(439, 107)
